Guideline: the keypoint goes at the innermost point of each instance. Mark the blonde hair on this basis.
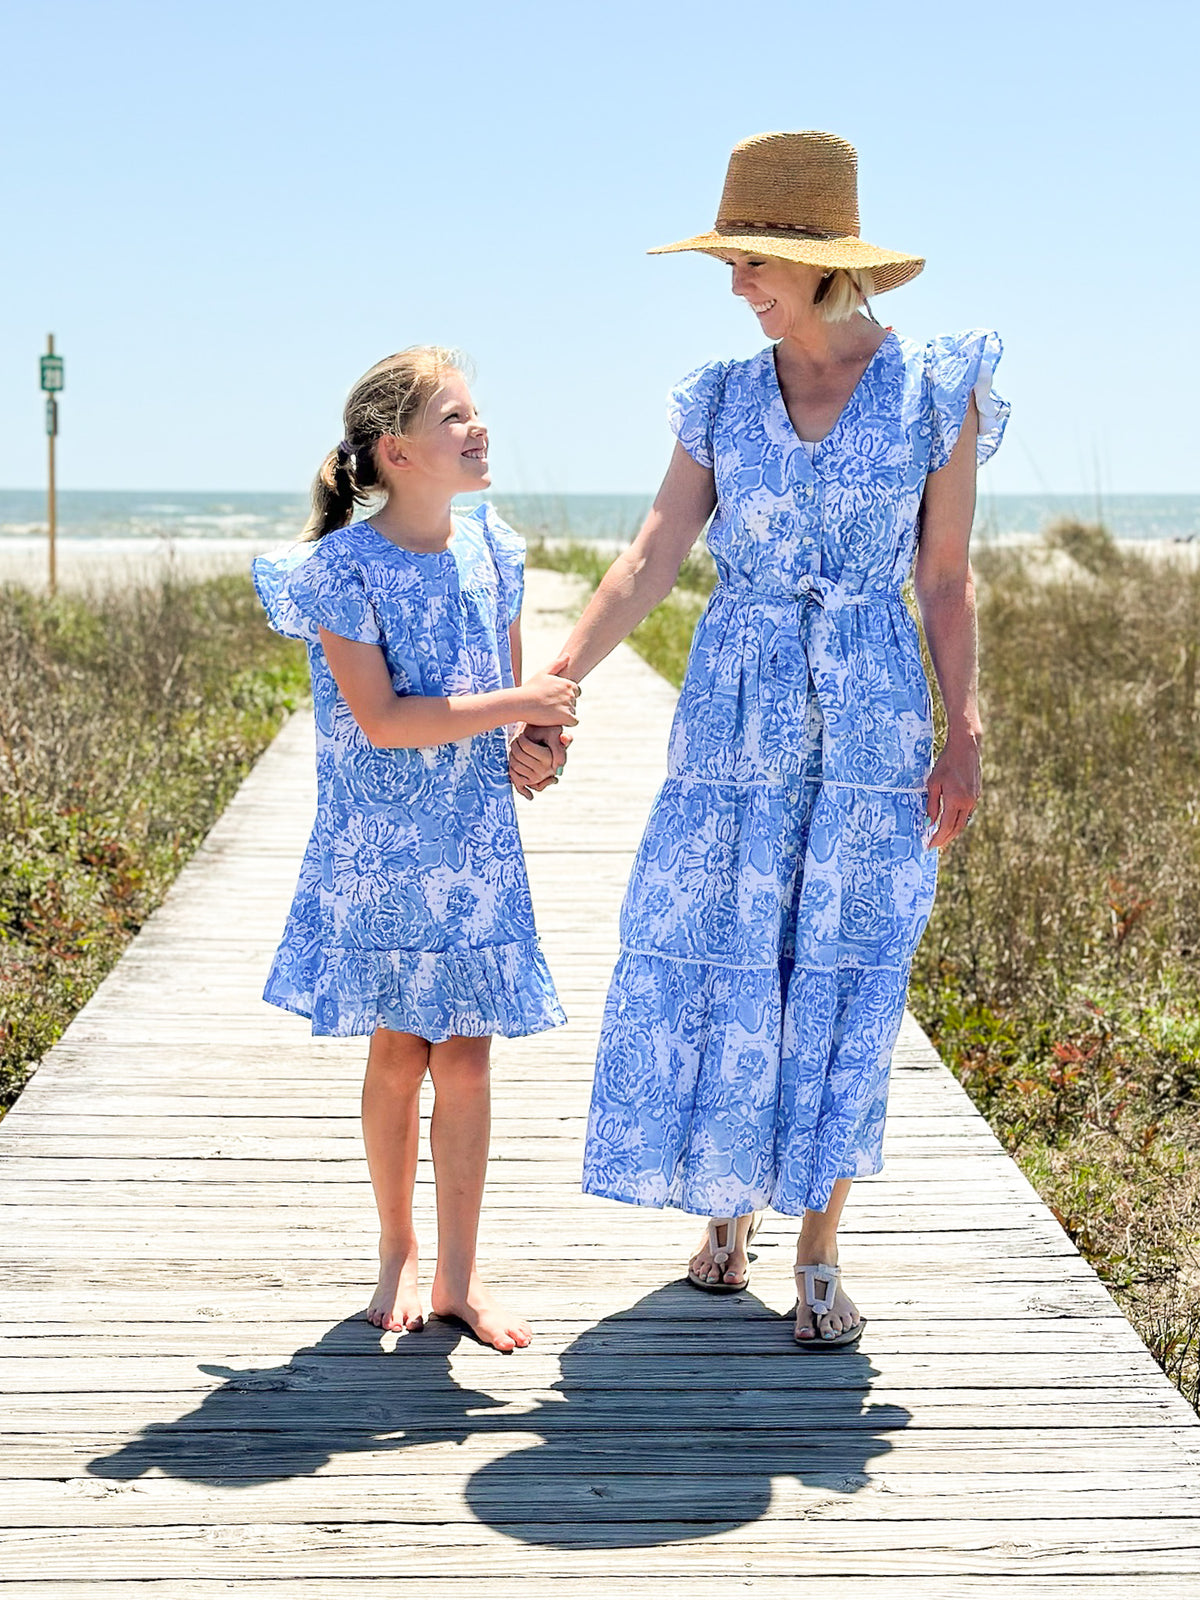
(386, 401)
(847, 292)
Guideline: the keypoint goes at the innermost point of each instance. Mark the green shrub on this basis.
(127, 720)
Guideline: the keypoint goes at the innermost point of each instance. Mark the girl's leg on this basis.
(462, 1119)
(818, 1243)
(391, 1101)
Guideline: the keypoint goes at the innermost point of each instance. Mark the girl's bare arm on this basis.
(408, 722)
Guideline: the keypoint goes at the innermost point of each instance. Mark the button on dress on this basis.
(413, 909)
(783, 880)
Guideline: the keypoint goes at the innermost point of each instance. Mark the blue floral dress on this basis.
(413, 909)
(783, 880)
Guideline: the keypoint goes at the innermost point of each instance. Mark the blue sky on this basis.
(226, 212)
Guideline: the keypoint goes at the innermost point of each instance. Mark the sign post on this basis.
(52, 382)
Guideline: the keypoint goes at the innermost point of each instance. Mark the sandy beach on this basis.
(88, 563)
(92, 563)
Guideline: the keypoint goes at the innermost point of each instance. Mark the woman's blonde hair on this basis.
(384, 402)
(843, 292)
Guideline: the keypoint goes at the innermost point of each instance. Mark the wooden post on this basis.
(51, 496)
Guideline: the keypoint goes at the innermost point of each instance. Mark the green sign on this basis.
(51, 416)
(52, 373)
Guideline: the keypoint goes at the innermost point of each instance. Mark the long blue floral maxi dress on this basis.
(783, 880)
(413, 909)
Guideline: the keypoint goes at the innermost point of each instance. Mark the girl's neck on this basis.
(415, 521)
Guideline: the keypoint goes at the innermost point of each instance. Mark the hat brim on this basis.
(888, 268)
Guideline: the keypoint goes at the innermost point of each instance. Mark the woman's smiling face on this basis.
(780, 293)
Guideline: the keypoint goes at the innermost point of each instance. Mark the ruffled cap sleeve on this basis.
(316, 585)
(692, 410)
(959, 366)
(508, 553)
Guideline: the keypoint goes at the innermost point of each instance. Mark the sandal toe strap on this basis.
(823, 1273)
(722, 1252)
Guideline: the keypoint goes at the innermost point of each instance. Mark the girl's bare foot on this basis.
(844, 1314)
(488, 1321)
(396, 1304)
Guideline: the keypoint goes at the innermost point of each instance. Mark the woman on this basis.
(787, 870)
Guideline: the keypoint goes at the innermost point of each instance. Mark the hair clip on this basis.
(345, 452)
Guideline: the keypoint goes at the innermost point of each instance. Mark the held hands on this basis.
(954, 788)
(538, 753)
(549, 700)
(536, 758)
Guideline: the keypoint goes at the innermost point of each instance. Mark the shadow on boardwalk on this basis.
(611, 1415)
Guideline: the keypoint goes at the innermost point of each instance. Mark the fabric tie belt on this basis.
(828, 595)
(809, 648)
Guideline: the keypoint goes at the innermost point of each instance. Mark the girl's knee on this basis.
(461, 1064)
(401, 1056)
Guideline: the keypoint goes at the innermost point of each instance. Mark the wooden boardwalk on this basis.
(189, 1405)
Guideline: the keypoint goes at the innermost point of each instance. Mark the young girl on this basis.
(412, 920)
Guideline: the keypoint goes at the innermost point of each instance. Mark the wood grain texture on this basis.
(192, 1406)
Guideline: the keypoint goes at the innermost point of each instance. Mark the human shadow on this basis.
(675, 1417)
(346, 1393)
(670, 1419)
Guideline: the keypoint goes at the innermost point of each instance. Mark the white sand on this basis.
(91, 563)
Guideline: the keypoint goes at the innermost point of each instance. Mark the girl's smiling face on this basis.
(449, 446)
(780, 293)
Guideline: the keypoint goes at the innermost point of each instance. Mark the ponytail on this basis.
(333, 497)
(383, 403)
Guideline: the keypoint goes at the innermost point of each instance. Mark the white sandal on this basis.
(722, 1252)
(807, 1279)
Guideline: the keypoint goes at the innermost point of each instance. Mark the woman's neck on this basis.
(817, 344)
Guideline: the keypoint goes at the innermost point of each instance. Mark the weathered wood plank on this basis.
(363, 1375)
(595, 1496)
(300, 1458)
(848, 1549)
(262, 1343)
(1154, 1586)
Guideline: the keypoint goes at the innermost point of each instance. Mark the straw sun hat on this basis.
(795, 195)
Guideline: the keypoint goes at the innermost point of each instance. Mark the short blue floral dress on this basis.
(783, 880)
(413, 909)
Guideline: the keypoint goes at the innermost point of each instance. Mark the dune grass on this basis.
(1060, 974)
(127, 720)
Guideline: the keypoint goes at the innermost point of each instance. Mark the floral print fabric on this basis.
(413, 909)
(783, 881)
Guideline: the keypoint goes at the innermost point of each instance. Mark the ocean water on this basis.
(265, 519)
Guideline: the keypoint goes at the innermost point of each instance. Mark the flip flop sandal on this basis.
(820, 1305)
(722, 1252)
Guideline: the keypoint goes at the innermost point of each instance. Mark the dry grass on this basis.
(127, 719)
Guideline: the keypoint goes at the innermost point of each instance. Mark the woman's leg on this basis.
(391, 1100)
(462, 1120)
(817, 1245)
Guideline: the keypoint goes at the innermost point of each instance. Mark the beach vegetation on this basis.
(128, 717)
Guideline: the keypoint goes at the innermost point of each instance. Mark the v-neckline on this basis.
(809, 447)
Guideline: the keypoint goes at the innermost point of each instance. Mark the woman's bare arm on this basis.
(945, 587)
(637, 581)
(645, 573)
